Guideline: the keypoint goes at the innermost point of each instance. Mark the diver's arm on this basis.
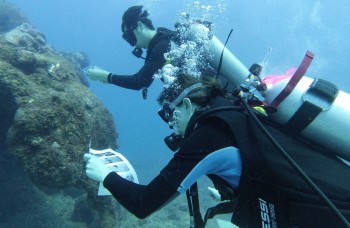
(140, 200)
(144, 200)
(145, 76)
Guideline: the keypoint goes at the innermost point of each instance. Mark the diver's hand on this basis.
(95, 168)
(96, 73)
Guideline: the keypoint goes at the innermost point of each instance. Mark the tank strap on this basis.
(299, 73)
(221, 208)
(317, 98)
(196, 220)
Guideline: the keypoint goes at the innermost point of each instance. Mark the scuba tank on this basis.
(230, 66)
(311, 108)
(314, 108)
(305, 108)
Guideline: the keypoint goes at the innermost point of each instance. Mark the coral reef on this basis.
(49, 116)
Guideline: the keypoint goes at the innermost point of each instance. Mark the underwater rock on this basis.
(81, 60)
(10, 17)
(27, 37)
(48, 117)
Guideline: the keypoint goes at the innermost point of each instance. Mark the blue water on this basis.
(290, 28)
(286, 27)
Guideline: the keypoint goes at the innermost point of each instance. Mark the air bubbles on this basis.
(191, 53)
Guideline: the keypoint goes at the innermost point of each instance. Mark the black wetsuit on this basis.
(210, 135)
(159, 45)
(271, 193)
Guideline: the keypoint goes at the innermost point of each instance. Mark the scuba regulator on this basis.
(137, 52)
(173, 141)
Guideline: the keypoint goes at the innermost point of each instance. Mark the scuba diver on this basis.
(206, 147)
(216, 135)
(188, 43)
(139, 32)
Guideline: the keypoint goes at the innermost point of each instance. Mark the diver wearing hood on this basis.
(219, 139)
(271, 193)
(207, 148)
(139, 32)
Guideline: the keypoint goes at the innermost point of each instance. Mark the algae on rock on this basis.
(48, 114)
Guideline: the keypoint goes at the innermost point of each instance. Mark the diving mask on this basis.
(129, 36)
(166, 112)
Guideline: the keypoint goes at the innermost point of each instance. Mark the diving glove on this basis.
(95, 168)
(96, 73)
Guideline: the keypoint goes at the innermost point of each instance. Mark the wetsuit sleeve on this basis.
(208, 138)
(144, 77)
(143, 200)
(140, 200)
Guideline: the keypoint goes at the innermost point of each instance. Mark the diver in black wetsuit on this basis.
(245, 167)
(207, 147)
(139, 32)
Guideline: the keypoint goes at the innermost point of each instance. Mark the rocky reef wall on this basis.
(49, 115)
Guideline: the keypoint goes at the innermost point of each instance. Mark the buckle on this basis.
(321, 93)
